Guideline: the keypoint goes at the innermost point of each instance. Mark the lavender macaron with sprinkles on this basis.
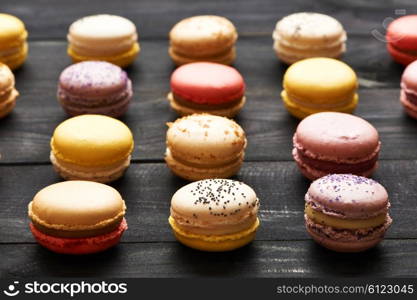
(94, 87)
(347, 213)
(214, 215)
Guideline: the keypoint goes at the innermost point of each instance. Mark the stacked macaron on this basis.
(94, 87)
(77, 217)
(91, 147)
(401, 38)
(207, 87)
(408, 94)
(347, 213)
(203, 146)
(215, 214)
(13, 45)
(103, 37)
(8, 93)
(307, 34)
(331, 142)
(319, 84)
(203, 38)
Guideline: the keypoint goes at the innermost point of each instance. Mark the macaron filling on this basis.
(340, 223)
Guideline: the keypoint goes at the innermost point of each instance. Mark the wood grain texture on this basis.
(394, 258)
(147, 190)
(50, 20)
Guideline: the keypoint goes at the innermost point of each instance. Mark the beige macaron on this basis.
(203, 146)
(215, 214)
(8, 93)
(307, 34)
(203, 38)
(103, 37)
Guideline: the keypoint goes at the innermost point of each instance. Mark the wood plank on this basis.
(47, 20)
(26, 132)
(147, 190)
(392, 258)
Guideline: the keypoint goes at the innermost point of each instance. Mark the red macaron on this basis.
(401, 39)
(207, 87)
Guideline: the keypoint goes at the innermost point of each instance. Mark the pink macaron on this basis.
(333, 142)
(347, 213)
(408, 94)
(205, 87)
(401, 39)
(94, 87)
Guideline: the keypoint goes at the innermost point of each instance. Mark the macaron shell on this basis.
(93, 79)
(207, 35)
(348, 196)
(76, 205)
(225, 58)
(343, 246)
(215, 243)
(205, 139)
(308, 29)
(337, 136)
(102, 174)
(12, 29)
(214, 207)
(192, 172)
(402, 57)
(207, 83)
(300, 111)
(320, 80)
(78, 246)
(92, 140)
(401, 33)
(122, 60)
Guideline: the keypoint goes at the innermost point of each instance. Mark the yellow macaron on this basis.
(103, 37)
(8, 93)
(13, 44)
(91, 147)
(215, 215)
(319, 84)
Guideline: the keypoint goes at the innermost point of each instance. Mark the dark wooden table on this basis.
(148, 249)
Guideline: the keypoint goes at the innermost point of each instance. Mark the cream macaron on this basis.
(215, 214)
(203, 38)
(307, 34)
(91, 147)
(202, 146)
(103, 37)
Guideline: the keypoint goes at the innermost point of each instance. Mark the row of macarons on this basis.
(344, 212)
(204, 38)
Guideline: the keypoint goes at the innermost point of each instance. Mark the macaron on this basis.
(203, 146)
(214, 215)
(203, 38)
(8, 93)
(103, 37)
(401, 38)
(308, 34)
(91, 147)
(347, 213)
(331, 142)
(408, 94)
(207, 87)
(13, 41)
(94, 87)
(319, 84)
(77, 217)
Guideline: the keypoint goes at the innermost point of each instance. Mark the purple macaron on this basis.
(94, 87)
